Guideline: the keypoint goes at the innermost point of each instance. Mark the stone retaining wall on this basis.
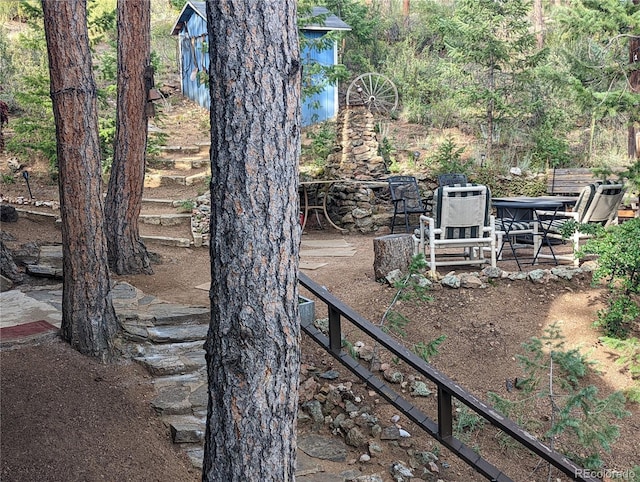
(362, 206)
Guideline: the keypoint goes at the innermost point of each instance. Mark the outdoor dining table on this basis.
(314, 198)
(515, 210)
(315, 194)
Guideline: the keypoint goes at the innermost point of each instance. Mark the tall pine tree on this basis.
(494, 41)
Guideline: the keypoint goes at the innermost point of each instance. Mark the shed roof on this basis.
(189, 9)
(331, 21)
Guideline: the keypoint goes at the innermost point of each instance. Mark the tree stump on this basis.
(390, 252)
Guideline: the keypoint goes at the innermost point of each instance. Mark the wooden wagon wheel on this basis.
(375, 91)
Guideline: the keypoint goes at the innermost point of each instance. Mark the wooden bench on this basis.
(568, 182)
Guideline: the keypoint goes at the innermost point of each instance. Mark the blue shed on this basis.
(191, 29)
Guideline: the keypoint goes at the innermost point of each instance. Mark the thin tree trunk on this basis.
(252, 349)
(88, 318)
(538, 22)
(634, 82)
(490, 111)
(127, 253)
(406, 11)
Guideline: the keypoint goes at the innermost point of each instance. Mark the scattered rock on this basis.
(390, 433)
(451, 281)
(325, 448)
(420, 389)
(393, 376)
(356, 438)
(400, 472)
(8, 214)
(329, 375)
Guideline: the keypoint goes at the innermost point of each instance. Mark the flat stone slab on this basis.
(169, 313)
(44, 271)
(177, 333)
(196, 456)
(185, 433)
(166, 241)
(19, 308)
(160, 365)
(199, 398)
(172, 401)
(165, 219)
(305, 465)
(51, 255)
(325, 448)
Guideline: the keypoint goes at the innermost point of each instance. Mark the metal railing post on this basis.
(335, 333)
(445, 413)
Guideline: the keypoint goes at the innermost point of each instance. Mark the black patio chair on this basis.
(450, 179)
(406, 199)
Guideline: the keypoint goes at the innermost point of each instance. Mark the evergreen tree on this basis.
(493, 40)
(603, 55)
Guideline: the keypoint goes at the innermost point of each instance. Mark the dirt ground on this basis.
(72, 419)
(67, 418)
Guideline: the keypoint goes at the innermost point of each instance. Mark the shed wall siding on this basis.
(322, 106)
(194, 58)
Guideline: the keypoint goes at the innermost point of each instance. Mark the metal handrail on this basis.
(447, 389)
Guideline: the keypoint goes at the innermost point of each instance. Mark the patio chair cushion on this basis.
(503, 224)
(597, 201)
(463, 212)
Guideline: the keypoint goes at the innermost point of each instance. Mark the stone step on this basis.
(196, 455)
(165, 219)
(181, 400)
(185, 150)
(158, 365)
(186, 429)
(167, 241)
(159, 179)
(182, 163)
(164, 203)
(189, 349)
(177, 333)
(134, 317)
(39, 216)
(178, 362)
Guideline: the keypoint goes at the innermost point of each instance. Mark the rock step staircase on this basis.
(170, 213)
(172, 353)
(179, 158)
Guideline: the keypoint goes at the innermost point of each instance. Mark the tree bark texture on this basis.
(126, 251)
(394, 251)
(252, 349)
(88, 317)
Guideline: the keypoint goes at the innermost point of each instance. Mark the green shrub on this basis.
(322, 138)
(449, 158)
(580, 422)
(618, 252)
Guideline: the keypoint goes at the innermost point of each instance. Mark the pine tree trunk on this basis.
(88, 318)
(252, 349)
(127, 254)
